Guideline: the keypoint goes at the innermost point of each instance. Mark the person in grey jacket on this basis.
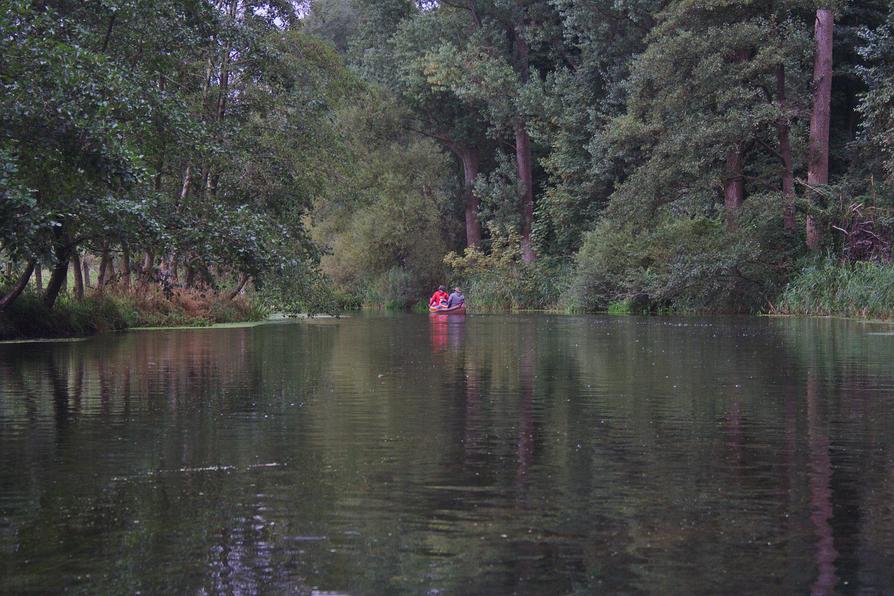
(456, 298)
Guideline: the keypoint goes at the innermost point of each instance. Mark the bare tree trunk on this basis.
(184, 189)
(818, 152)
(111, 276)
(85, 265)
(733, 186)
(469, 158)
(785, 153)
(242, 283)
(526, 188)
(18, 288)
(733, 175)
(78, 274)
(59, 275)
(38, 278)
(211, 178)
(125, 266)
(104, 263)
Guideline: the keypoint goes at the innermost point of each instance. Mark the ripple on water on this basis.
(491, 454)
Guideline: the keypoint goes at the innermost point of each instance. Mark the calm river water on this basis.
(526, 454)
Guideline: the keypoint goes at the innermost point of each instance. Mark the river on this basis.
(530, 454)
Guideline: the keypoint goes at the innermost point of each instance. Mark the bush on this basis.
(117, 309)
(28, 317)
(395, 289)
(825, 287)
(501, 280)
(685, 264)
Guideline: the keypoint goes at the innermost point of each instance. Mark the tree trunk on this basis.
(125, 267)
(148, 261)
(526, 188)
(184, 189)
(733, 186)
(242, 283)
(785, 153)
(85, 265)
(111, 276)
(18, 288)
(733, 175)
(59, 275)
(469, 158)
(38, 278)
(78, 274)
(818, 152)
(104, 263)
(173, 269)
(523, 149)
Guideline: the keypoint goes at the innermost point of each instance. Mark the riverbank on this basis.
(822, 288)
(863, 290)
(113, 310)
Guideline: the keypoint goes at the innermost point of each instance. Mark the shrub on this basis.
(685, 264)
(117, 309)
(395, 289)
(28, 317)
(501, 280)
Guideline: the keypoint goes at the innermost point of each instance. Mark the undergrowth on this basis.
(118, 309)
(827, 287)
(500, 280)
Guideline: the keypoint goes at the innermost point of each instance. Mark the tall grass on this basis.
(864, 290)
(520, 286)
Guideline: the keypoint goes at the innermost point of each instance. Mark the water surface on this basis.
(526, 454)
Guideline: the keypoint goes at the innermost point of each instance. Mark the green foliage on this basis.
(699, 90)
(394, 289)
(827, 287)
(191, 132)
(685, 264)
(877, 104)
(501, 280)
(383, 220)
(499, 194)
(210, 141)
(29, 317)
(99, 312)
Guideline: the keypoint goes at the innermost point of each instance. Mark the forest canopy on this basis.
(662, 154)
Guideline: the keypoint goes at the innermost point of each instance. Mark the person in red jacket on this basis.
(439, 297)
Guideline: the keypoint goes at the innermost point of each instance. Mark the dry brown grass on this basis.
(150, 305)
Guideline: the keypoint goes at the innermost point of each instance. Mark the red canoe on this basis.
(443, 310)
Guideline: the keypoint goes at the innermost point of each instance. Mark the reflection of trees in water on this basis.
(88, 466)
(472, 420)
(526, 410)
(845, 372)
(603, 450)
(820, 493)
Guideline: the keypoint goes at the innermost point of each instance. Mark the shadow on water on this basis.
(473, 454)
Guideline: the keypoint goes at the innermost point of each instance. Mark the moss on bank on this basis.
(28, 317)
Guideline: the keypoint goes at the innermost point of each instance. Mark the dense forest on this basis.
(182, 160)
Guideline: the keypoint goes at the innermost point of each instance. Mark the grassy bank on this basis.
(826, 288)
(113, 310)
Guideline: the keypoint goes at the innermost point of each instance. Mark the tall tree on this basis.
(818, 153)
